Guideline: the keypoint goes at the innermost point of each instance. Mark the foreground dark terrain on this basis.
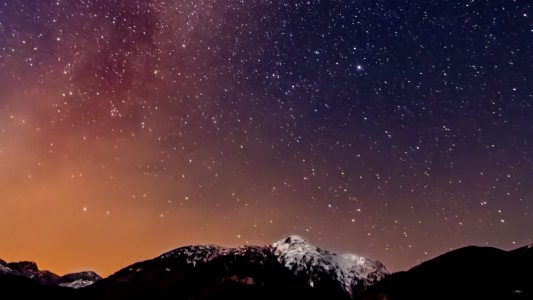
(289, 269)
(467, 273)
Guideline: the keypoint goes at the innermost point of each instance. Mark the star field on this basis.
(397, 130)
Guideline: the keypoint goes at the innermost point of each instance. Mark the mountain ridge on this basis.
(289, 268)
(30, 270)
(350, 274)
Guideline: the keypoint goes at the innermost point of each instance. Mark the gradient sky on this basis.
(396, 130)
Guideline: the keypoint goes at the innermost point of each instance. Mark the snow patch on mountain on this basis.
(195, 254)
(5, 270)
(204, 253)
(78, 284)
(78, 280)
(353, 272)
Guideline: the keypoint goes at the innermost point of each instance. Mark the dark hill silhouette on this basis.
(467, 273)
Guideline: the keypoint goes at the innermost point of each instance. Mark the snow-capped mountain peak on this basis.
(353, 272)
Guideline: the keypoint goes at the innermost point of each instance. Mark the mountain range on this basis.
(29, 270)
(291, 268)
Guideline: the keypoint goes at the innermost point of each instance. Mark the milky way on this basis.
(397, 130)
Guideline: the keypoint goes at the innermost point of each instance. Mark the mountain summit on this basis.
(354, 273)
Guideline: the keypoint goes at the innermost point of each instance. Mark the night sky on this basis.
(396, 130)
